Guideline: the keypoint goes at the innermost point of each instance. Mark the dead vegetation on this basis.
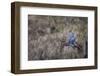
(47, 34)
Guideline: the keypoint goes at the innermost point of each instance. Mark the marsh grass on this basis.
(48, 34)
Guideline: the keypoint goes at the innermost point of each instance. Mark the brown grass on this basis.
(47, 36)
